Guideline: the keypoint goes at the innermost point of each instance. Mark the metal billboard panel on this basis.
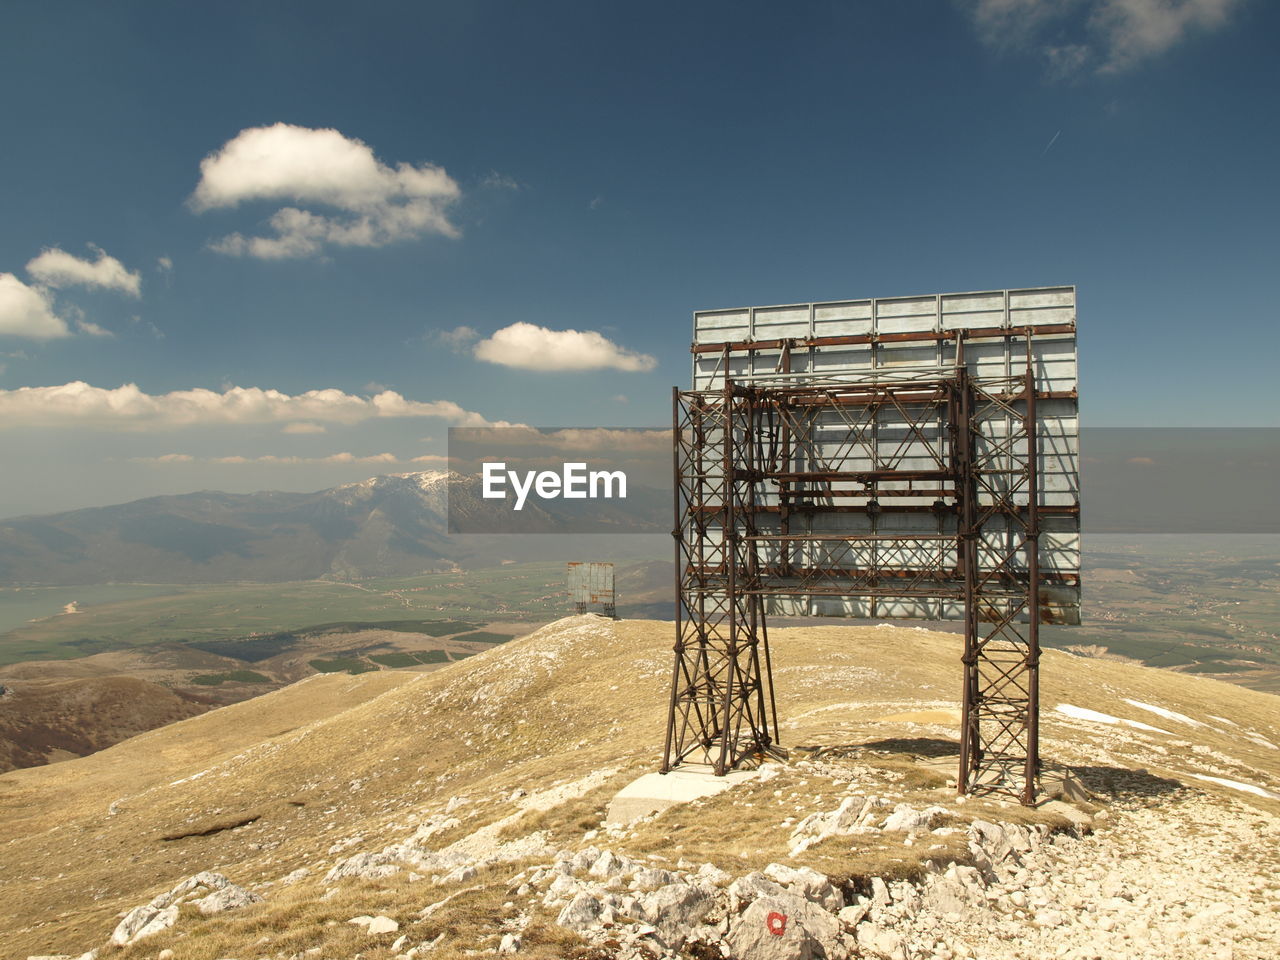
(918, 338)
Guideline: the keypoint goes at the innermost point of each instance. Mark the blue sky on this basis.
(422, 203)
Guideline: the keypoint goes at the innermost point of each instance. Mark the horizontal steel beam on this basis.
(923, 336)
(1064, 510)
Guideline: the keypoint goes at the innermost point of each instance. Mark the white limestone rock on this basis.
(142, 922)
(365, 866)
(786, 927)
(210, 892)
(375, 925)
(878, 942)
(808, 883)
(581, 914)
(510, 943)
(674, 910)
(907, 819)
(650, 878)
(229, 897)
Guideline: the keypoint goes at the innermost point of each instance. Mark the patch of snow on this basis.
(1161, 711)
(1237, 785)
(1080, 713)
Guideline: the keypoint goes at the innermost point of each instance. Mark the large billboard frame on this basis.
(912, 457)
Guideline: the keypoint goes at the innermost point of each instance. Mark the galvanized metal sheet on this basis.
(753, 335)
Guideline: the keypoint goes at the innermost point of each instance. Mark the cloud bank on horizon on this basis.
(274, 460)
(126, 407)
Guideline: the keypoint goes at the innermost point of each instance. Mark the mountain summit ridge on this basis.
(466, 808)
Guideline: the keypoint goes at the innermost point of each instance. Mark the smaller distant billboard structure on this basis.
(591, 586)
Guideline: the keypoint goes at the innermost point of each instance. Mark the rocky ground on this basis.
(1118, 884)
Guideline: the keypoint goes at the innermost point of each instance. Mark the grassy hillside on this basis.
(43, 721)
(336, 765)
(533, 591)
(216, 644)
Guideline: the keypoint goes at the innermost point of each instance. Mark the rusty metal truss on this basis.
(799, 488)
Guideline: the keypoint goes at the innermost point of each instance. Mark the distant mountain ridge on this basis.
(384, 526)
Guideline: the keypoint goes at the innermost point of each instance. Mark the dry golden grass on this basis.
(352, 764)
(296, 919)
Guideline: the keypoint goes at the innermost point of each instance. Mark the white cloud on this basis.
(164, 264)
(1112, 35)
(494, 180)
(530, 347)
(92, 329)
(458, 337)
(1138, 29)
(78, 404)
(57, 268)
(27, 311)
(378, 204)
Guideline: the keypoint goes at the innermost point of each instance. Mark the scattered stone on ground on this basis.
(208, 892)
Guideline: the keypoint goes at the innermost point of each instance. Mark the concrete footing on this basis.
(655, 792)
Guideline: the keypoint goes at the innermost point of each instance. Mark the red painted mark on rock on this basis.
(777, 923)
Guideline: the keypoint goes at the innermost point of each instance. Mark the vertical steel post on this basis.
(729, 552)
(755, 612)
(784, 486)
(676, 535)
(1032, 770)
(768, 669)
(968, 557)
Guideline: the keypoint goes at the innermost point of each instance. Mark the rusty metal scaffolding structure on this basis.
(591, 584)
(937, 469)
